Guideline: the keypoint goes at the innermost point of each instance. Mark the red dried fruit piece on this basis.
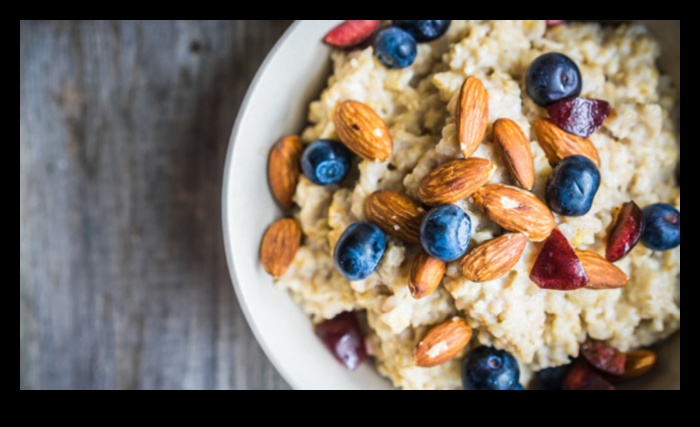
(604, 357)
(343, 337)
(555, 23)
(558, 267)
(579, 116)
(352, 33)
(626, 233)
(583, 377)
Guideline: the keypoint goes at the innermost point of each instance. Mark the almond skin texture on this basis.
(363, 131)
(638, 364)
(516, 151)
(283, 170)
(494, 259)
(472, 115)
(516, 210)
(426, 275)
(280, 245)
(443, 343)
(559, 144)
(602, 273)
(396, 214)
(455, 180)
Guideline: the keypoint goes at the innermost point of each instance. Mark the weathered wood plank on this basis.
(124, 128)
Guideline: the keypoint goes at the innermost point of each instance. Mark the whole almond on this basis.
(280, 245)
(396, 214)
(559, 144)
(426, 275)
(443, 343)
(472, 115)
(516, 150)
(455, 180)
(516, 210)
(363, 131)
(494, 259)
(602, 273)
(638, 364)
(283, 169)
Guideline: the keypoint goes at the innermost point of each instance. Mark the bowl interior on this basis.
(294, 74)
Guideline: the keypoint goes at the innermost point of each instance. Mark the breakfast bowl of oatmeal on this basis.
(462, 205)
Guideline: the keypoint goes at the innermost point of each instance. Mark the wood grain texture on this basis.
(124, 128)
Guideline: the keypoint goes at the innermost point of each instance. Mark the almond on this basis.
(516, 150)
(472, 115)
(494, 259)
(426, 275)
(283, 169)
(516, 210)
(363, 131)
(602, 273)
(443, 343)
(280, 245)
(396, 214)
(455, 180)
(639, 363)
(558, 144)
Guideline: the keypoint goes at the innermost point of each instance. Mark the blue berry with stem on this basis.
(662, 227)
(326, 162)
(489, 369)
(553, 77)
(395, 48)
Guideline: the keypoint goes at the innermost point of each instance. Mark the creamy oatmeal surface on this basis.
(638, 150)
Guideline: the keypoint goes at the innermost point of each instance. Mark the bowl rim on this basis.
(291, 379)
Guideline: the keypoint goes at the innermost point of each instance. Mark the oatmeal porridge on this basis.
(637, 152)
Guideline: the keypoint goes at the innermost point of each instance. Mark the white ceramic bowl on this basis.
(293, 74)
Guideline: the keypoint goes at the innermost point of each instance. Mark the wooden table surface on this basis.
(123, 131)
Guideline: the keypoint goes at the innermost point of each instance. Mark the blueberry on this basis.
(662, 227)
(489, 369)
(326, 162)
(424, 31)
(553, 77)
(446, 232)
(519, 387)
(573, 186)
(395, 48)
(359, 250)
(552, 378)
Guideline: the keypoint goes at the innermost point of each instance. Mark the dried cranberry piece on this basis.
(555, 23)
(583, 377)
(604, 357)
(352, 33)
(558, 267)
(626, 233)
(343, 337)
(579, 116)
